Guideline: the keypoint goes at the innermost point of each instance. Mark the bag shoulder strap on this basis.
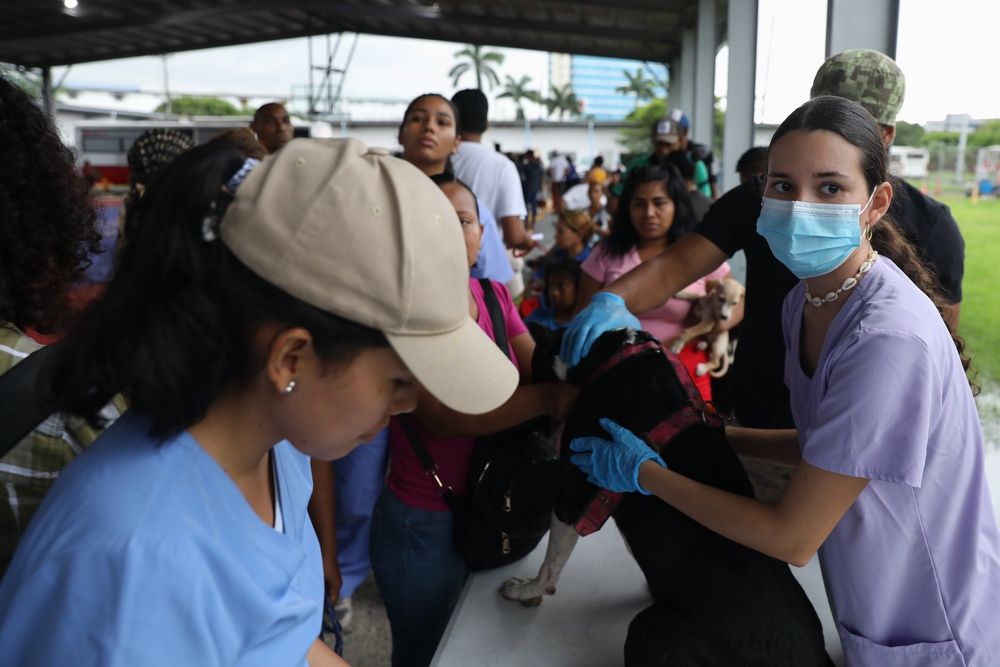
(22, 406)
(427, 462)
(496, 316)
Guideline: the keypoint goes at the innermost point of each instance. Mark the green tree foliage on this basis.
(518, 91)
(638, 85)
(908, 134)
(200, 106)
(987, 135)
(636, 140)
(939, 139)
(562, 100)
(479, 61)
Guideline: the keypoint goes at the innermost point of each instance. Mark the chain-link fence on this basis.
(952, 171)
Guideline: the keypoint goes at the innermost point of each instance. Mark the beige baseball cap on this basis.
(369, 237)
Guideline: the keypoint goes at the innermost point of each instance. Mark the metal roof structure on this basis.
(43, 33)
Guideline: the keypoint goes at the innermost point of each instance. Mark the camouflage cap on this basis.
(870, 78)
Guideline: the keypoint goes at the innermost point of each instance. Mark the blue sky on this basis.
(949, 58)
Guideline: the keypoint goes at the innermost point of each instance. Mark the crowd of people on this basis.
(230, 450)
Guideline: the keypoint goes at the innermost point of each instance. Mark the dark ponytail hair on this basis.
(175, 327)
(623, 236)
(857, 126)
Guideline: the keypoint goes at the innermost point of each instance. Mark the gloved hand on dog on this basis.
(605, 312)
(614, 464)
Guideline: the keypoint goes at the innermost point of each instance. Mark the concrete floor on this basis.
(367, 642)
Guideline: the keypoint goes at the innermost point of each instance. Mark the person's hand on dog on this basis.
(613, 464)
(605, 312)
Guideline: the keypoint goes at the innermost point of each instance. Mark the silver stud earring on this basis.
(291, 385)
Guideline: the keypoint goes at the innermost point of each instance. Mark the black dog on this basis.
(715, 602)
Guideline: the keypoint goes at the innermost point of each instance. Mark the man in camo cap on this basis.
(758, 394)
(874, 80)
(870, 78)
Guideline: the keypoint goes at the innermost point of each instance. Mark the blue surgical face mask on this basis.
(811, 239)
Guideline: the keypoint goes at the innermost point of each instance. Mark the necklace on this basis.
(849, 284)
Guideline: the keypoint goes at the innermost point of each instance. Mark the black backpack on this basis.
(513, 477)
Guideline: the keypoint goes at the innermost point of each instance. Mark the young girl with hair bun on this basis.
(417, 567)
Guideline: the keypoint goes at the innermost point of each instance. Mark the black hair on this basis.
(48, 226)
(566, 266)
(175, 327)
(753, 160)
(448, 167)
(682, 161)
(473, 109)
(598, 161)
(409, 108)
(449, 177)
(623, 236)
(858, 127)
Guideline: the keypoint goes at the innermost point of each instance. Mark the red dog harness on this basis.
(696, 411)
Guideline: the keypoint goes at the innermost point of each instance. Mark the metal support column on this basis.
(862, 24)
(702, 111)
(740, 95)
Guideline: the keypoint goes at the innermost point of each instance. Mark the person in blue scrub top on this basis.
(261, 314)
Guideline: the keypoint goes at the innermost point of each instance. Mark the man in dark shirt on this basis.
(760, 396)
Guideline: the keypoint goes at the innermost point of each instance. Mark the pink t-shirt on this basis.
(407, 479)
(665, 322)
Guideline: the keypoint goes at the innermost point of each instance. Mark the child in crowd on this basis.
(562, 278)
(597, 210)
(260, 315)
(418, 570)
(574, 230)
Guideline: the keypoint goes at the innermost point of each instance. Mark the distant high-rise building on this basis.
(595, 81)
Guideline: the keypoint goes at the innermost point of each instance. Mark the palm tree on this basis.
(518, 91)
(638, 85)
(563, 100)
(479, 61)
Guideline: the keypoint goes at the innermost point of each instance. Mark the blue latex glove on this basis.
(614, 464)
(606, 312)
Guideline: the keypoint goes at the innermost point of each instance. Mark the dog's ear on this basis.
(712, 285)
(547, 344)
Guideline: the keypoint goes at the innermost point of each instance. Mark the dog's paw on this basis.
(701, 369)
(702, 345)
(677, 347)
(522, 590)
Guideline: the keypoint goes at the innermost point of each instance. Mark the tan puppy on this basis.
(716, 306)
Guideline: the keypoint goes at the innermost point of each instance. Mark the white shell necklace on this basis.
(849, 284)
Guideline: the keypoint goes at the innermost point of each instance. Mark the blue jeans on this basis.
(359, 478)
(419, 573)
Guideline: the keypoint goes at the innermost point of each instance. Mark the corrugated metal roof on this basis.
(40, 33)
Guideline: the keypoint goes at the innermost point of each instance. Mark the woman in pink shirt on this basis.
(653, 212)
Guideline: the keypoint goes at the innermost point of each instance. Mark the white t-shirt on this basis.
(492, 176)
(558, 168)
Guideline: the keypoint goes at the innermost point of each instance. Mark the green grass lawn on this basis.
(980, 318)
